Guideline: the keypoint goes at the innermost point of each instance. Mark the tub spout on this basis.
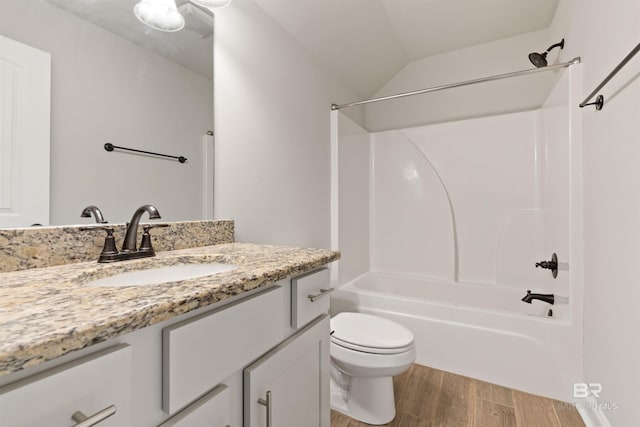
(548, 298)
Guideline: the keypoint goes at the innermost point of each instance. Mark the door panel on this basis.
(25, 91)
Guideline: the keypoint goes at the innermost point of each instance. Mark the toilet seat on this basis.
(372, 350)
(370, 334)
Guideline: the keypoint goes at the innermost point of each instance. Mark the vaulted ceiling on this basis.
(366, 42)
(363, 42)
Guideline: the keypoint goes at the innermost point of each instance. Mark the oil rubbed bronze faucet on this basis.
(129, 248)
(129, 244)
(548, 298)
(97, 214)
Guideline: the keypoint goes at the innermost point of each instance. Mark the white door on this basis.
(290, 384)
(25, 92)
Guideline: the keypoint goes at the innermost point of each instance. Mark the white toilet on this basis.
(366, 352)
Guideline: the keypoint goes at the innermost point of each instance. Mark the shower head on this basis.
(540, 59)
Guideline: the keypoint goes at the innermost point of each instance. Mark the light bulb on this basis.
(161, 15)
(212, 3)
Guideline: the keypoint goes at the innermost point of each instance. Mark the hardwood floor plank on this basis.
(406, 420)
(422, 392)
(400, 384)
(534, 411)
(427, 397)
(491, 414)
(567, 414)
(495, 393)
(339, 420)
(456, 405)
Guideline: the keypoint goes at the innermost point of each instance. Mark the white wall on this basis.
(353, 146)
(603, 32)
(272, 116)
(486, 59)
(107, 89)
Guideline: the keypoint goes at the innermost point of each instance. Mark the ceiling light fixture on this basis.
(160, 15)
(163, 15)
(215, 4)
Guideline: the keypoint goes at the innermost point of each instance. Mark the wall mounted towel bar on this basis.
(599, 102)
(110, 147)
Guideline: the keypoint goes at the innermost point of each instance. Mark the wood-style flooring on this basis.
(427, 397)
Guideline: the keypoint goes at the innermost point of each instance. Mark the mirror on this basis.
(115, 80)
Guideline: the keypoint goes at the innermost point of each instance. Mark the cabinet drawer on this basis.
(200, 352)
(309, 297)
(213, 409)
(90, 385)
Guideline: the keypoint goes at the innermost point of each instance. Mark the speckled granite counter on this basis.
(35, 247)
(48, 312)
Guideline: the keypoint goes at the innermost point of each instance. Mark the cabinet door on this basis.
(98, 384)
(290, 384)
(211, 410)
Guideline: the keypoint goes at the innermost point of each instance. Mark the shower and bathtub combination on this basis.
(442, 228)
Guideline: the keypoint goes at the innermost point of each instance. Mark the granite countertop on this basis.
(48, 312)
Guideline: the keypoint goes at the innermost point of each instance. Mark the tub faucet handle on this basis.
(550, 265)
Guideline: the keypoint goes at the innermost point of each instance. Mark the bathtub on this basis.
(479, 331)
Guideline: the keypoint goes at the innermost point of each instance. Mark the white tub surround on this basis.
(474, 330)
(441, 227)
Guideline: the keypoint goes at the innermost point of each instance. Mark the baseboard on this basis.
(591, 413)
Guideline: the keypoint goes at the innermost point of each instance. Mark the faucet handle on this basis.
(145, 244)
(550, 265)
(109, 249)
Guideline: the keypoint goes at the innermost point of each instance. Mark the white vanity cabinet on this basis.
(309, 296)
(289, 386)
(211, 410)
(96, 386)
(295, 370)
(208, 367)
(200, 352)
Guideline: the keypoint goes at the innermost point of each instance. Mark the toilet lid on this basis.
(364, 332)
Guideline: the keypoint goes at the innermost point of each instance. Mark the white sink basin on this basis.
(159, 275)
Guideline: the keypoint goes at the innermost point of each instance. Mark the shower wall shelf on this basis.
(599, 102)
(110, 147)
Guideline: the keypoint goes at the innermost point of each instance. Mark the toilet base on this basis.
(369, 400)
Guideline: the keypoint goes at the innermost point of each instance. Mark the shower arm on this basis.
(553, 46)
(574, 61)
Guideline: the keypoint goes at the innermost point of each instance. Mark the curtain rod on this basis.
(600, 99)
(574, 61)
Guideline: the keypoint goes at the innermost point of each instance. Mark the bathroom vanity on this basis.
(249, 346)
